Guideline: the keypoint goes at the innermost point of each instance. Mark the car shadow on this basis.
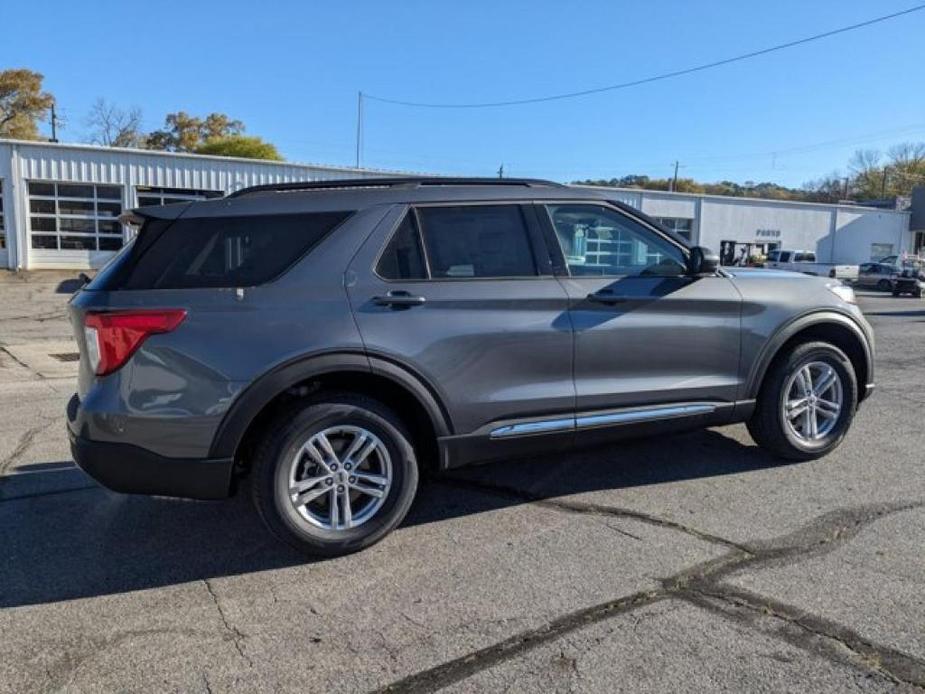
(67, 538)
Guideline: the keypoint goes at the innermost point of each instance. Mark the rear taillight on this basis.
(112, 337)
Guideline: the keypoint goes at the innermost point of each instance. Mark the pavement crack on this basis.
(694, 585)
(582, 507)
(237, 638)
(901, 668)
(25, 441)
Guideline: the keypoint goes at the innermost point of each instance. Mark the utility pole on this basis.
(54, 125)
(359, 126)
(883, 185)
(845, 194)
(674, 181)
(501, 170)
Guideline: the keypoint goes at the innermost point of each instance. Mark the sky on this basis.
(292, 71)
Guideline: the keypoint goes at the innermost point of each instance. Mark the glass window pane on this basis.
(43, 223)
(227, 251)
(477, 241)
(144, 200)
(598, 241)
(108, 192)
(71, 190)
(402, 258)
(44, 242)
(42, 206)
(76, 207)
(108, 209)
(110, 228)
(110, 243)
(84, 225)
(78, 243)
(41, 188)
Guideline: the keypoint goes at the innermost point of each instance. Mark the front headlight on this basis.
(843, 292)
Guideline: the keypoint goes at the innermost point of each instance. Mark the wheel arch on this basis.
(827, 326)
(388, 381)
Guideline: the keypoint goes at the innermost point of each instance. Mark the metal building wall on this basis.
(21, 162)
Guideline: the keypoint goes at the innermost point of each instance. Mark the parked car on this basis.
(805, 262)
(331, 339)
(911, 280)
(879, 275)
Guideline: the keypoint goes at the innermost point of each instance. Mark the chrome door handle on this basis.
(399, 299)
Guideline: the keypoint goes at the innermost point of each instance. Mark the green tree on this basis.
(22, 103)
(239, 146)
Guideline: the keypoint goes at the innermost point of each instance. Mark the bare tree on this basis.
(113, 127)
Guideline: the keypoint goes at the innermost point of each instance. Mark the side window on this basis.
(403, 258)
(866, 267)
(785, 256)
(223, 251)
(597, 241)
(773, 256)
(477, 241)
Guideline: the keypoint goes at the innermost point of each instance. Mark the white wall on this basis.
(836, 233)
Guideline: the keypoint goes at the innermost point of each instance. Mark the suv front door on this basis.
(465, 296)
(646, 334)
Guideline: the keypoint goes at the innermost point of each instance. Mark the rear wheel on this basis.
(884, 285)
(807, 402)
(336, 476)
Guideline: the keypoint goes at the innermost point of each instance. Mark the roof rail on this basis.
(393, 182)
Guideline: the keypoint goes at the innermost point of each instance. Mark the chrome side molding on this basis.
(590, 420)
(545, 426)
(642, 414)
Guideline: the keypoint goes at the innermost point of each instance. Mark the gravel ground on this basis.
(688, 563)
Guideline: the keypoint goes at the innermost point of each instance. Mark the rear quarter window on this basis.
(222, 251)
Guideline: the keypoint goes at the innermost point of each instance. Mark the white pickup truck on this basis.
(805, 262)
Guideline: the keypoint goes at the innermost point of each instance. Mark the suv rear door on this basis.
(646, 334)
(464, 295)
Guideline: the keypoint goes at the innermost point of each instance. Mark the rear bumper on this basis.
(130, 469)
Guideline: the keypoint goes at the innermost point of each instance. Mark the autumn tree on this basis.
(185, 133)
(22, 104)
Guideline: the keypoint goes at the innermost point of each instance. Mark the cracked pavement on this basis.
(689, 563)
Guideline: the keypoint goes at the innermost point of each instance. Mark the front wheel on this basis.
(806, 403)
(335, 475)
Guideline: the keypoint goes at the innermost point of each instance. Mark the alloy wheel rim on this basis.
(339, 477)
(813, 400)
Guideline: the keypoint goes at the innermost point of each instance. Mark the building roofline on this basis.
(191, 155)
(741, 199)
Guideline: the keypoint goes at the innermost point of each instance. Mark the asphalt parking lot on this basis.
(689, 563)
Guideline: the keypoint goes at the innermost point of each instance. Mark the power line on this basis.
(653, 78)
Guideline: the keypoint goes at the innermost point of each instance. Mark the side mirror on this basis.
(702, 261)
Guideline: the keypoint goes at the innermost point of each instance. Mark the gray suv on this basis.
(331, 340)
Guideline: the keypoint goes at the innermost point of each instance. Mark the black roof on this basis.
(393, 182)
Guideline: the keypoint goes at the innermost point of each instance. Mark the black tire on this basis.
(895, 292)
(281, 443)
(884, 285)
(767, 424)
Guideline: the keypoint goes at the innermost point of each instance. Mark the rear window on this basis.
(220, 251)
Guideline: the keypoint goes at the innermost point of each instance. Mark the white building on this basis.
(59, 203)
(843, 234)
